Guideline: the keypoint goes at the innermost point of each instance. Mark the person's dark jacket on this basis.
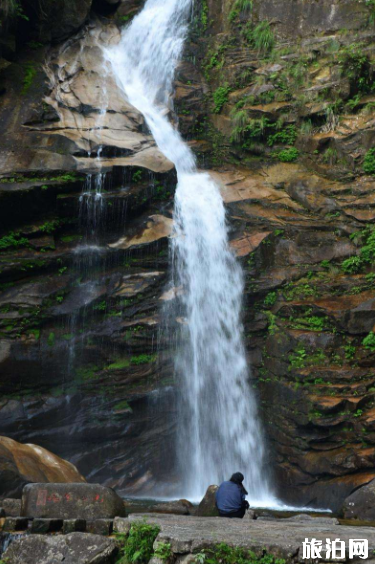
(230, 497)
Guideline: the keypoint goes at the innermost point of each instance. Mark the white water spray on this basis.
(218, 430)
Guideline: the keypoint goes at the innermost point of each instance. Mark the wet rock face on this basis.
(360, 504)
(60, 19)
(20, 464)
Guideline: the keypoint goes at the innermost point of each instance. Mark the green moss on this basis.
(28, 78)
(35, 333)
(119, 365)
(87, 373)
(143, 359)
(51, 339)
(67, 336)
(123, 406)
(71, 238)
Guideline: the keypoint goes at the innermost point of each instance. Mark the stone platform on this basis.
(281, 537)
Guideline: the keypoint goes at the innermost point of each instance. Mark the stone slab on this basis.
(73, 526)
(76, 548)
(13, 524)
(44, 526)
(121, 525)
(100, 527)
(71, 501)
(280, 537)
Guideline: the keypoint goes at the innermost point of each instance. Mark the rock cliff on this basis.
(277, 100)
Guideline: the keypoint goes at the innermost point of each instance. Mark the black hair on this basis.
(238, 478)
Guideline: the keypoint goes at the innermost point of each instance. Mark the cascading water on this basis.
(218, 425)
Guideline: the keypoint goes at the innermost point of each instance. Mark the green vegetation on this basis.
(369, 342)
(51, 339)
(122, 406)
(270, 299)
(355, 65)
(263, 37)
(204, 16)
(13, 239)
(287, 155)
(138, 547)
(163, 551)
(143, 359)
(137, 176)
(223, 553)
(369, 162)
(285, 136)
(301, 358)
(366, 255)
(119, 365)
(88, 372)
(28, 78)
(240, 7)
(220, 97)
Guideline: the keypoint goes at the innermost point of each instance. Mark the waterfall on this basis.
(218, 431)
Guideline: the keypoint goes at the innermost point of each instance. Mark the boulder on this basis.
(360, 504)
(21, 464)
(71, 501)
(207, 507)
(76, 548)
(179, 507)
(121, 525)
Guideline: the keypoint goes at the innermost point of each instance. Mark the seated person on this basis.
(230, 497)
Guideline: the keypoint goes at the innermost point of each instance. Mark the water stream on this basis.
(218, 431)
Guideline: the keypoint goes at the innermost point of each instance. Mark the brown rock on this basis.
(21, 464)
(207, 507)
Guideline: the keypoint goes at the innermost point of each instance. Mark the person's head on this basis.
(237, 478)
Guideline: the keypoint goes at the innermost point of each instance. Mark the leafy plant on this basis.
(287, 155)
(13, 239)
(270, 299)
(369, 162)
(286, 136)
(138, 547)
(163, 551)
(220, 97)
(369, 342)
